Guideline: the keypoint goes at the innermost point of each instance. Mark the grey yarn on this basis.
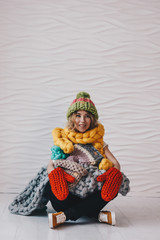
(31, 198)
(125, 188)
(85, 184)
(88, 184)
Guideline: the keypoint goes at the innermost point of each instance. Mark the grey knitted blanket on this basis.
(32, 198)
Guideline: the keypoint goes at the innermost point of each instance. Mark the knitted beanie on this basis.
(82, 102)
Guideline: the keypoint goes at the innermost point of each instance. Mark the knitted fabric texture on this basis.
(105, 164)
(57, 153)
(58, 179)
(65, 139)
(33, 198)
(85, 153)
(113, 179)
(80, 165)
(72, 168)
(82, 102)
(125, 185)
(86, 184)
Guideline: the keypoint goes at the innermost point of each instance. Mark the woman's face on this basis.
(82, 121)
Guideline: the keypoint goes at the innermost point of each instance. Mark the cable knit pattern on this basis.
(113, 179)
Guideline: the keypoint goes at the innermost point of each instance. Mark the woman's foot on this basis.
(56, 219)
(107, 217)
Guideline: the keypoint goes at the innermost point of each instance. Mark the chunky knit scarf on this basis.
(65, 139)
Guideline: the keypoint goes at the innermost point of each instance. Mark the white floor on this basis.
(137, 218)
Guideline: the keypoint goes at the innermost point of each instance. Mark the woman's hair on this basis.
(70, 123)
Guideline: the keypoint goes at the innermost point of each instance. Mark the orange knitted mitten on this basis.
(58, 179)
(113, 179)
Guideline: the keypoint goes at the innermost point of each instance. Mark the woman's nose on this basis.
(82, 118)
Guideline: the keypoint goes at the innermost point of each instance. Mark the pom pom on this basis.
(83, 95)
(82, 102)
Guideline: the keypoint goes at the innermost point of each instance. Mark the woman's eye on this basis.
(78, 115)
(87, 116)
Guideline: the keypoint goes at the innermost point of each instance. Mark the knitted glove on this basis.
(58, 179)
(113, 179)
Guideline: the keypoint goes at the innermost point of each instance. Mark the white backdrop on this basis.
(52, 49)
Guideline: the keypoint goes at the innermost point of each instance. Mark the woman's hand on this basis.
(110, 156)
(112, 181)
(59, 179)
(50, 166)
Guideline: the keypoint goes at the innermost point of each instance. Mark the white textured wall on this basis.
(52, 49)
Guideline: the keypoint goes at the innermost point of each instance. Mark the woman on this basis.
(82, 128)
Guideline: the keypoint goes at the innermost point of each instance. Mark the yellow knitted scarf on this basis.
(65, 139)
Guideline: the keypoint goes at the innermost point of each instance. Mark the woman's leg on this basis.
(59, 205)
(74, 207)
(89, 206)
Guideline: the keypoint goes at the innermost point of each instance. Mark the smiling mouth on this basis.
(82, 125)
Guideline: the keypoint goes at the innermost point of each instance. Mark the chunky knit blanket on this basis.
(32, 197)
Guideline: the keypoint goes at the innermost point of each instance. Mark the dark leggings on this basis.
(75, 207)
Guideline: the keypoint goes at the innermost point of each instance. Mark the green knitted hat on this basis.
(82, 102)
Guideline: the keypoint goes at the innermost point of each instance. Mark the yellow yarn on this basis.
(64, 138)
(61, 140)
(105, 164)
